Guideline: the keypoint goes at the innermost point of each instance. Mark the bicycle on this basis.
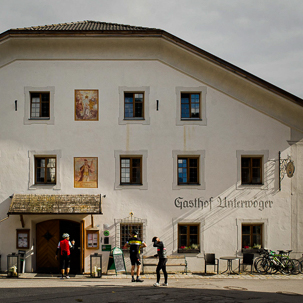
(270, 262)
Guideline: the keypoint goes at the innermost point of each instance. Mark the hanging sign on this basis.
(290, 169)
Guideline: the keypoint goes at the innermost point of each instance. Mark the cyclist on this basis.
(64, 247)
(161, 253)
(135, 244)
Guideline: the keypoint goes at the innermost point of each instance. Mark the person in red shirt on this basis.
(64, 247)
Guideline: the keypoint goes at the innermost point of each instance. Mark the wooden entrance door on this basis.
(48, 235)
(47, 239)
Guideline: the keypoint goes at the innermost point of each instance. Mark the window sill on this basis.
(133, 118)
(40, 118)
(250, 250)
(188, 251)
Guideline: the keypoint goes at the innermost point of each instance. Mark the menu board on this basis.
(92, 240)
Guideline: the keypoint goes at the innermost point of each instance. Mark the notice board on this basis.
(118, 258)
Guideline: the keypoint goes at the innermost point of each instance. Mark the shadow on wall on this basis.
(210, 212)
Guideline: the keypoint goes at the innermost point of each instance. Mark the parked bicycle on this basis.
(271, 262)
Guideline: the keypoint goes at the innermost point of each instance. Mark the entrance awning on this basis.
(55, 204)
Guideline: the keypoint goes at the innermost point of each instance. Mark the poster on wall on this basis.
(85, 172)
(86, 105)
(22, 238)
(92, 240)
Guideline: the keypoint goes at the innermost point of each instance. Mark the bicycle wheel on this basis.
(286, 266)
(261, 266)
(296, 267)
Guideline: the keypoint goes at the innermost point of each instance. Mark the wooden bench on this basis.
(173, 261)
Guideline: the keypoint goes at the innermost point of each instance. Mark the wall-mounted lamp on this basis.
(157, 104)
(104, 196)
(16, 105)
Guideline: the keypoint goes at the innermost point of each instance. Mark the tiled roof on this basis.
(55, 204)
(86, 26)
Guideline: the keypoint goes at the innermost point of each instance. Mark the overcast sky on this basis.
(263, 37)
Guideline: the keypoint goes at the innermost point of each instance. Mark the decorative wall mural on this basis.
(86, 172)
(86, 105)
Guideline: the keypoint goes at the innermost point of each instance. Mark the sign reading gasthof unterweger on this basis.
(219, 202)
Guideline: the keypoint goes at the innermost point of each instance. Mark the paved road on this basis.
(113, 290)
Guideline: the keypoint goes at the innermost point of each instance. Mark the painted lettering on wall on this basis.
(201, 203)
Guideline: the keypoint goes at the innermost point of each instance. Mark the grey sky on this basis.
(263, 37)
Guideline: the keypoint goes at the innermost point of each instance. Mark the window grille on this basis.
(125, 227)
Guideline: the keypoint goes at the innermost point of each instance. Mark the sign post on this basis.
(118, 258)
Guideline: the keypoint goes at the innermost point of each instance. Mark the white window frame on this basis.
(43, 153)
(253, 153)
(118, 154)
(146, 91)
(202, 90)
(198, 153)
(28, 120)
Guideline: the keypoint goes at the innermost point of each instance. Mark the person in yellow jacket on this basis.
(135, 244)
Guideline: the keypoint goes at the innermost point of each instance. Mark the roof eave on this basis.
(148, 33)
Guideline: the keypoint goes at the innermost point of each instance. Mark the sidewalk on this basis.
(242, 276)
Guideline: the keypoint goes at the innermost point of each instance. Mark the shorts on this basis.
(65, 261)
(135, 260)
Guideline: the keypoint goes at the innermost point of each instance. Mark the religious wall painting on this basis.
(86, 105)
(86, 172)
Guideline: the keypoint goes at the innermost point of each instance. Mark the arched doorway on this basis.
(48, 235)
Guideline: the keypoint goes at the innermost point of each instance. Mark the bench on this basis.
(173, 261)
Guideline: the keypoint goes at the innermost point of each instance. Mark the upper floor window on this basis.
(45, 170)
(131, 170)
(251, 170)
(188, 170)
(39, 105)
(133, 105)
(190, 106)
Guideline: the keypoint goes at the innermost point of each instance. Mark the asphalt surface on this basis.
(181, 288)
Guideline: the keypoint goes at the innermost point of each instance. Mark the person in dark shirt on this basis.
(135, 244)
(161, 253)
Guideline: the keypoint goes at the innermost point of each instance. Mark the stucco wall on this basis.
(231, 126)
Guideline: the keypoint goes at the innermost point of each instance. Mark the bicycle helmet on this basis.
(65, 235)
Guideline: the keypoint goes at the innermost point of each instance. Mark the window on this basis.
(188, 170)
(131, 170)
(39, 105)
(251, 170)
(251, 236)
(190, 106)
(134, 105)
(188, 238)
(45, 170)
(126, 230)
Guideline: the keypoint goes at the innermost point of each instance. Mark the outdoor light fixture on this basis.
(16, 105)
(157, 104)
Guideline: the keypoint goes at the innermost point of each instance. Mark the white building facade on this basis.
(108, 128)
